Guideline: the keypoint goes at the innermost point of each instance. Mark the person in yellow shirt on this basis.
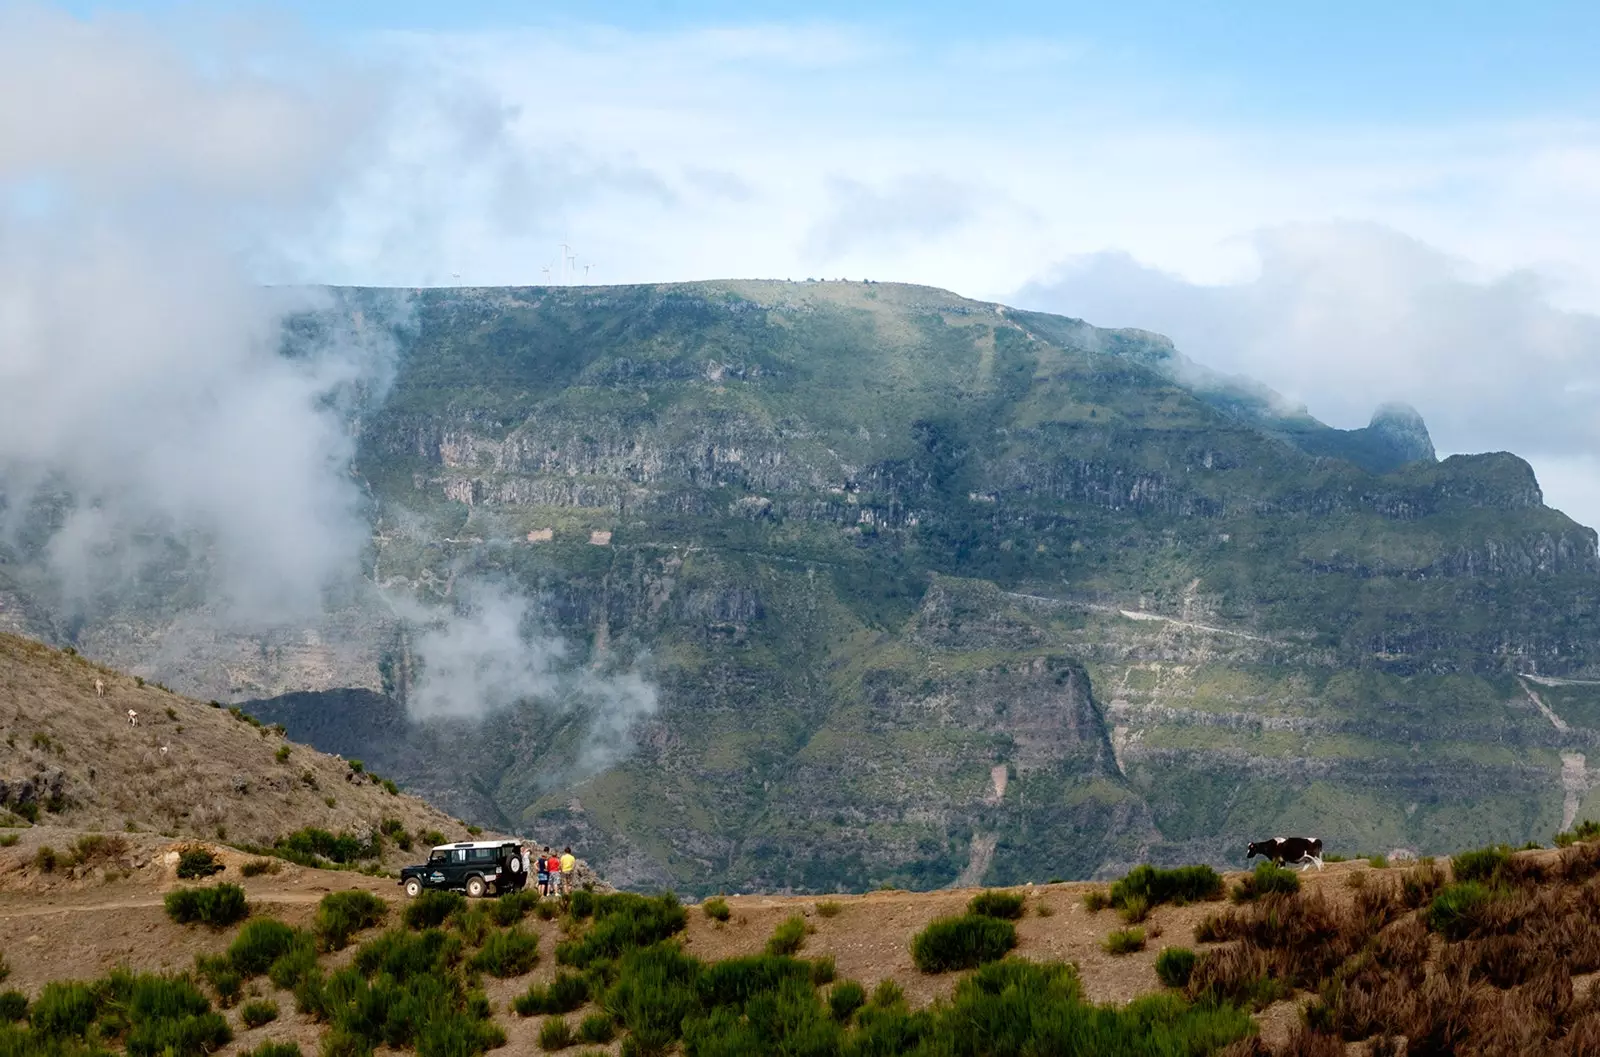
(569, 863)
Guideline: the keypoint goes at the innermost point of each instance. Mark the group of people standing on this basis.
(554, 873)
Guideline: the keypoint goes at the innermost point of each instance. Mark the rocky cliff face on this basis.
(932, 590)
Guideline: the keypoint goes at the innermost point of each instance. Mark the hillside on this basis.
(931, 591)
(70, 760)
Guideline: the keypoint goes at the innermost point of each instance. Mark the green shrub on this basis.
(64, 1009)
(227, 981)
(257, 867)
(514, 906)
(1007, 906)
(255, 1014)
(555, 1034)
(1458, 909)
(1378, 862)
(1134, 909)
(432, 908)
(217, 906)
(432, 837)
(581, 904)
(564, 994)
(1586, 830)
(1185, 884)
(844, 999)
(829, 908)
(823, 970)
(10, 840)
(962, 943)
(622, 921)
(341, 915)
(1487, 865)
(1267, 879)
(195, 863)
(282, 755)
(1174, 965)
(45, 859)
(13, 1006)
(260, 943)
(789, 936)
(597, 1028)
(1124, 941)
(1096, 900)
(887, 994)
(276, 1049)
(294, 965)
(716, 908)
(506, 953)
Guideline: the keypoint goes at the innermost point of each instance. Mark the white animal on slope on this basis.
(163, 750)
(133, 718)
(99, 688)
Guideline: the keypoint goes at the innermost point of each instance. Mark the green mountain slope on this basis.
(932, 588)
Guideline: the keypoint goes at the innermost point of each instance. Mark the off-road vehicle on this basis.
(478, 867)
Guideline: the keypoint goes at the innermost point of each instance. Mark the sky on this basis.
(1352, 203)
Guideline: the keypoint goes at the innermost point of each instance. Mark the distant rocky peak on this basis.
(1402, 426)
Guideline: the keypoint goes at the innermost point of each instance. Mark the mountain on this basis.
(72, 759)
(929, 590)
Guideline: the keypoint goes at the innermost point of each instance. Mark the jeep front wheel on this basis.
(475, 887)
(413, 887)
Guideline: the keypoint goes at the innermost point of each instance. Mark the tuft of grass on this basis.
(1379, 862)
(45, 859)
(196, 863)
(1267, 879)
(255, 1014)
(597, 1028)
(829, 908)
(962, 943)
(432, 908)
(276, 1049)
(1007, 906)
(1044, 910)
(1486, 865)
(9, 840)
(1457, 910)
(789, 936)
(282, 755)
(261, 943)
(823, 971)
(1124, 941)
(13, 1007)
(257, 867)
(341, 915)
(217, 906)
(1174, 966)
(1185, 884)
(507, 953)
(844, 999)
(563, 994)
(1586, 830)
(1134, 909)
(1096, 900)
(555, 1034)
(716, 908)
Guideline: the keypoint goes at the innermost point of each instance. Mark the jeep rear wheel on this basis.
(413, 887)
(475, 887)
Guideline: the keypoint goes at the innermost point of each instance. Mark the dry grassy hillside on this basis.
(69, 757)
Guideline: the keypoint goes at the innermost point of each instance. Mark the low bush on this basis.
(622, 921)
(1586, 830)
(555, 1034)
(1379, 862)
(196, 863)
(10, 840)
(962, 943)
(844, 999)
(1174, 965)
(255, 1014)
(1096, 900)
(260, 943)
(508, 952)
(1267, 879)
(1487, 865)
(217, 906)
(563, 994)
(276, 1049)
(1418, 884)
(1134, 909)
(257, 867)
(789, 936)
(97, 849)
(1008, 906)
(1185, 884)
(341, 915)
(823, 970)
(597, 1028)
(829, 908)
(45, 859)
(432, 908)
(13, 1006)
(1124, 941)
(1457, 910)
(514, 906)
(716, 908)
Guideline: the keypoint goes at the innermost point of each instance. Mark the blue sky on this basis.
(1353, 203)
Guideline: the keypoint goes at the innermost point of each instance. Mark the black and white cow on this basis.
(1304, 850)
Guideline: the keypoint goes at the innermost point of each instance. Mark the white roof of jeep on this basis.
(474, 844)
